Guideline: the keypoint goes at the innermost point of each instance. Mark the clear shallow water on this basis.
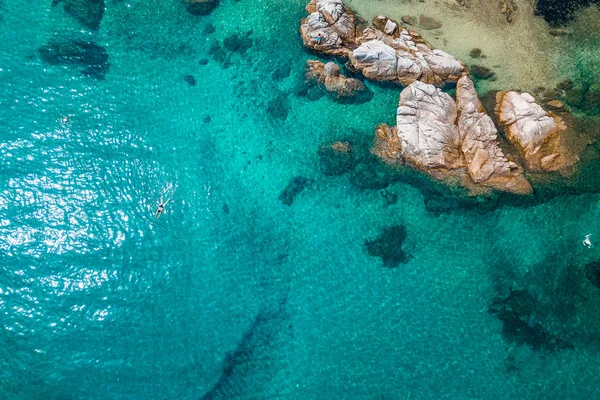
(232, 290)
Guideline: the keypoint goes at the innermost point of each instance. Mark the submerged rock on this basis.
(592, 273)
(293, 189)
(201, 7)
(388, 246)
(475, 52)
(279, 107)
(91, 58)
(330, 27)
(336, 84)
(439, 137)
(538, 134)
(238, 43)
(517, 311)
(87, 12)
(403, 58)
(336, 159)
(508, 8)
(481, 72)
(423, 22)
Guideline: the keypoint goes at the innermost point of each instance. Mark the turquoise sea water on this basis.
(231, 293)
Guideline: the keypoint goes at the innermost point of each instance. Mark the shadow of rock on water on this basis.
(89, 13)
(255, 349)
(88, 56)
(388, 246)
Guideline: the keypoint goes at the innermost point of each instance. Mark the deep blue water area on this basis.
(370, 284)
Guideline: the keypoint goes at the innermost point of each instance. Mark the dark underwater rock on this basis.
(201, 7)
(475, 52)
(592, 273)
(238, 43)
(91, 58)
(293, 189)
(190, 80)
(388, 246)
(520, 325)
(560, 12)
(481, 72)
(279, 107)
(87, 12)
(281, 72)
(336, 159)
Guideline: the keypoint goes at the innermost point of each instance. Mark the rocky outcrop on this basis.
(484, 159)
(330, 76)
(537, 133)
(385, 52)
(442, 137)
(87, 12)
(330, 28)
(402, 56)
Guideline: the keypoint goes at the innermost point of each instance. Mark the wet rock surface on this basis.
(337, 85)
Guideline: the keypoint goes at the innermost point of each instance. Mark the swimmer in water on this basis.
(587, 242)
(161, 208)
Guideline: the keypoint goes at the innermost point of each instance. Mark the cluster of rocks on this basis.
(385, 52)
(447, 138)
(336, 84)
(441, 136)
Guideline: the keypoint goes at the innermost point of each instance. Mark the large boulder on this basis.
(537, 133)
(87, 12)
(330, 28)
(402, 56)
(447, 139)
(426, 127)
(335, 83)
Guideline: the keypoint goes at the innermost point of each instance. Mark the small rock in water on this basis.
(475, 52)
(293, 189)
(206, 119)
(481, 72)
(203, 61)
(190, 80)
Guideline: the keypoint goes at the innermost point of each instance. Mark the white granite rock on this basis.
(329, 28)
(536, 132)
